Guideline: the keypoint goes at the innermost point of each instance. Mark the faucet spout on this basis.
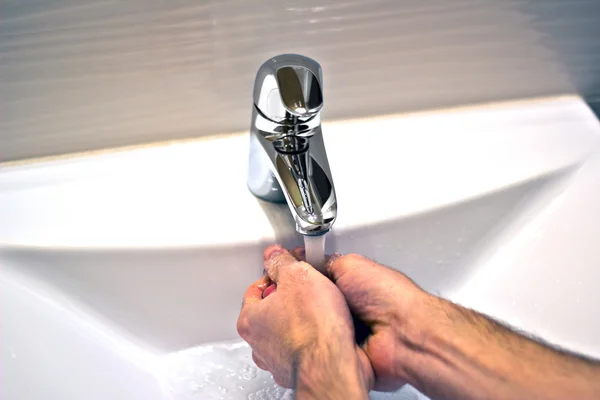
(288, 161)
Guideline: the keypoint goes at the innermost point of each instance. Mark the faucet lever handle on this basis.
(287, 86)
(300, 91)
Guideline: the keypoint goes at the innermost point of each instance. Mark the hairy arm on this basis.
(450, 352)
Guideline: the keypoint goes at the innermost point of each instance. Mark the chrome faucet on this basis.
(288, 161)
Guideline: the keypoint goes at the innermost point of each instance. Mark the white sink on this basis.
(119, 270)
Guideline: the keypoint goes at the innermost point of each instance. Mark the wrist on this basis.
(330, 371)
(414, 332)
(439, 336)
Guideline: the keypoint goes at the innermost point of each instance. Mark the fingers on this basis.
(278, 262)
(299, 253)
(339, 265)
(254, 293)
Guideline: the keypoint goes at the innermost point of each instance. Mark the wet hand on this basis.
(386, 300)
(306, 318)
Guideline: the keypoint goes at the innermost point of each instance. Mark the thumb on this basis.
(338, 265)
(278, 263)
(332, 268)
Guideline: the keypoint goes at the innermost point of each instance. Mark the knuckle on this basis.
(299, 265)
(243, 327)
(281, 266)
(345, 264)
(285, 260)
(299, 269)
(353, 260)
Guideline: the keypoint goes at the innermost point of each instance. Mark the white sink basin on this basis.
(120, 268)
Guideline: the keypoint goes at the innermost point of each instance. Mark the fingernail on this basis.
(332, 258)
(273, 251)
(269, 290)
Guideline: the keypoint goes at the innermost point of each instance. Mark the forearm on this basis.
(330, 373)
(451, 352)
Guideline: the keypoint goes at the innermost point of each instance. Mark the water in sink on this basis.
(219, 371)
(225, 371)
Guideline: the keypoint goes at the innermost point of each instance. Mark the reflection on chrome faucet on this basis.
(288, 161)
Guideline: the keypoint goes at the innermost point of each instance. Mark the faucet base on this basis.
(261, 181)
(269, 197)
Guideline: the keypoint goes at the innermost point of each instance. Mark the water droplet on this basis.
(194, 387)
(248, 372)
(206, 372)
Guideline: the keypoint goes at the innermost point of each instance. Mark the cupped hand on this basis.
(306, 313)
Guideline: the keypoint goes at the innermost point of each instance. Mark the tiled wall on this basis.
(85, 74)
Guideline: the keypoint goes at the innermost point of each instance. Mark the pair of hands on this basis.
(311, 313)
